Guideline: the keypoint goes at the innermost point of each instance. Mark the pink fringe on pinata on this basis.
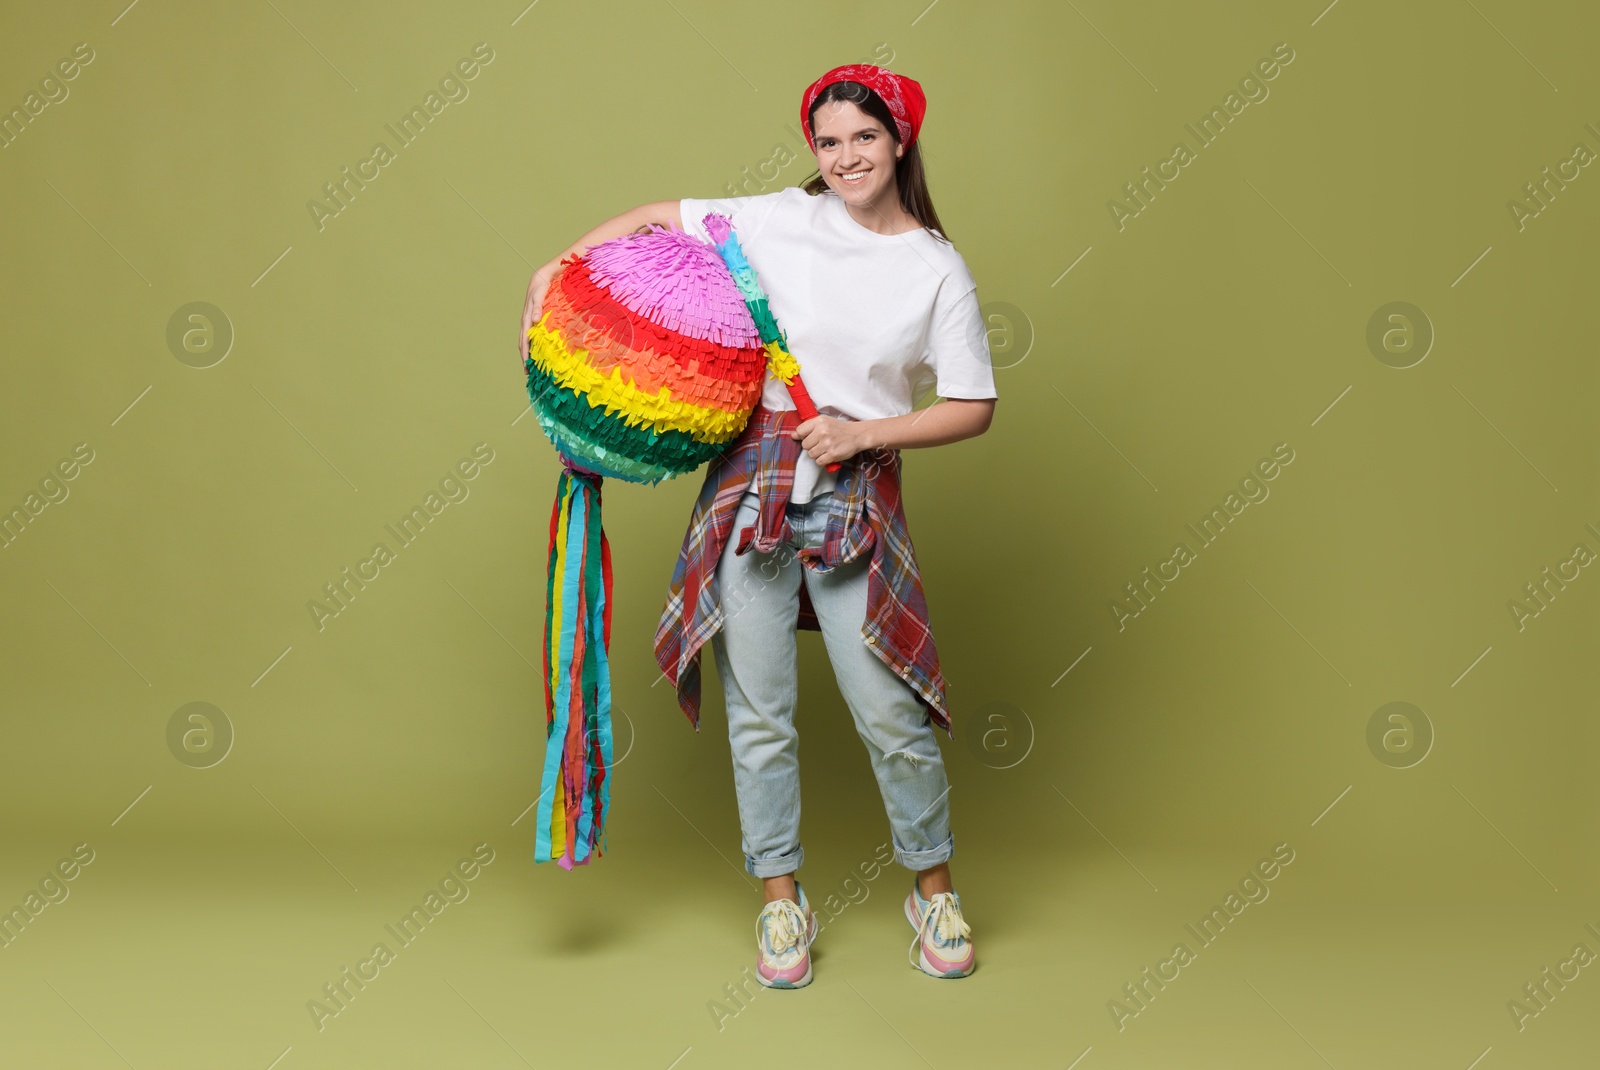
(676, 280)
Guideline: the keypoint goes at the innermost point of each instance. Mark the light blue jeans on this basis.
(757, 658)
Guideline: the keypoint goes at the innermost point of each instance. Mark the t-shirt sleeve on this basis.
(746, 213)
(957, 363)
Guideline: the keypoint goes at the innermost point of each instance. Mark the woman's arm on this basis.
(947, 420)
(660, 213)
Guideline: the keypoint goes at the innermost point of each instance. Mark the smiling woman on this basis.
(862, 157)
(880, 310)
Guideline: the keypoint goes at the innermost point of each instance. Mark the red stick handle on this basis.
(807, 410)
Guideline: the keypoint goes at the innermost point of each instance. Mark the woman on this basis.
(878, 307)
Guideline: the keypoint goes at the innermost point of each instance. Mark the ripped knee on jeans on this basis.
(909, 755)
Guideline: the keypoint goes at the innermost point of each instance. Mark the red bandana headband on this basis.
(903, 95)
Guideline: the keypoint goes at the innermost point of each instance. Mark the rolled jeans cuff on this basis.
(921, 860)
(777, 867)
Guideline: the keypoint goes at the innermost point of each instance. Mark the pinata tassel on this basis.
(575, 787)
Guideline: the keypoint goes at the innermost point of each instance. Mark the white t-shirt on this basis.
(874, 320)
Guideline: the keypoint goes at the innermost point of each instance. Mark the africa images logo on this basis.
(453, 87)
(1210, 126)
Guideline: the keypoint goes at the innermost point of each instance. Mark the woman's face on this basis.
(855, 154)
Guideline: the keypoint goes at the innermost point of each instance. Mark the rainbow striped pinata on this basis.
(644, 365)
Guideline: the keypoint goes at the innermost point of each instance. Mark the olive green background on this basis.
(1097, 811)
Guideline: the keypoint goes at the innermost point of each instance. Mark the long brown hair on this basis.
(908, 170)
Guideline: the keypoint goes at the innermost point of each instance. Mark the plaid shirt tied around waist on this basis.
(866, 517)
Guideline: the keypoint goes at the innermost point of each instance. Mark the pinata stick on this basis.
(782, 363)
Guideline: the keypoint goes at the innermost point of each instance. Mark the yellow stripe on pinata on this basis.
(640, 408)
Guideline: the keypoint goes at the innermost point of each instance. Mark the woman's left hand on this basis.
(827, 439)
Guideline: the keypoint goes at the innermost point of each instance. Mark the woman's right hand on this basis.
(533, 307)
(659, 213)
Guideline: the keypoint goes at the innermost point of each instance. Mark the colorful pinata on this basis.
(644, 364)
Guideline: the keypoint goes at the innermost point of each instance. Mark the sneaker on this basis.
(784, 932)
(942, 934)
